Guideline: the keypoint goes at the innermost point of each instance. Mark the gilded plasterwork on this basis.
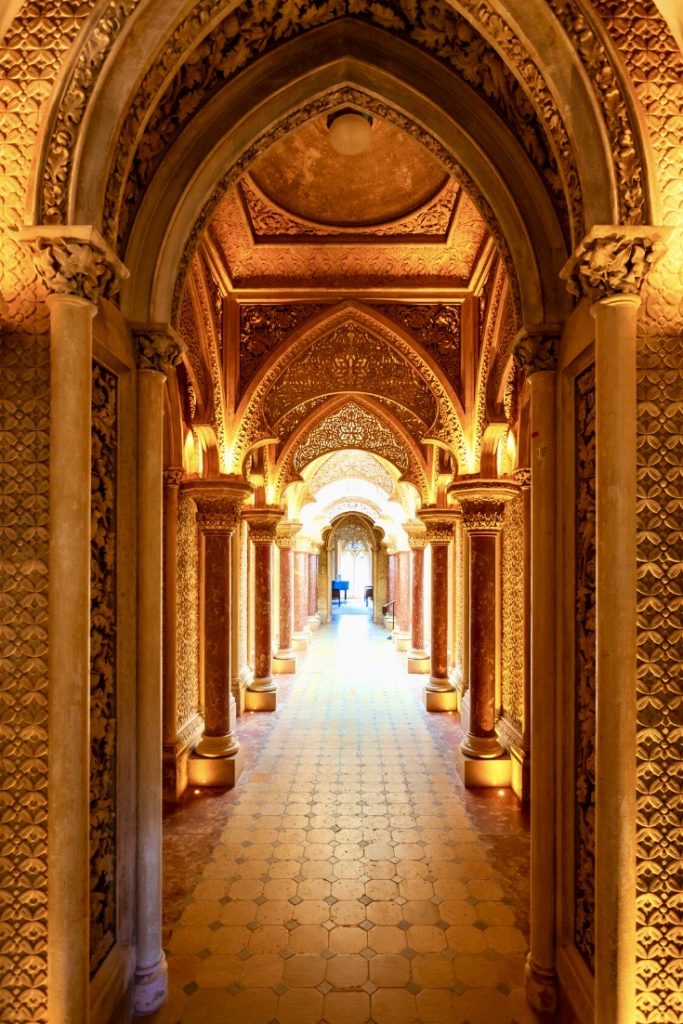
(187, 615)
(262, 327)
(103, 709)
(514, 627)
(351, 427)
(352, 465)
(350, 359)
(584, 698)
(437, 327)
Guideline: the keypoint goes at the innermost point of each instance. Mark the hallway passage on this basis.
(349, 878)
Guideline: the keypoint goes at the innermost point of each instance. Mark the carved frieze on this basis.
(158, 347)
(103, 651)
(584, 655)
(262, 327)
(437, 327)
(612, 262)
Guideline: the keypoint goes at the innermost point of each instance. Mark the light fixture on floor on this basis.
(349, 132)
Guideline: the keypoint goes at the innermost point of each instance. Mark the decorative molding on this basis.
(263, 523)
(103, 665)
(158, 347)
(74, 261)
(437, 327)
(262, 327)
(483, 503)
(219, 502)
(613, 261)
(585, 667)
(439, 524)
(536, 350)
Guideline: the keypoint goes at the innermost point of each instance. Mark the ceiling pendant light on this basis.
(349, 132)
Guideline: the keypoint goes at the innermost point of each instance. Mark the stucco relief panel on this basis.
(187, 618)
(514, 626)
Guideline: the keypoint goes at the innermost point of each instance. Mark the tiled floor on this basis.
(349, 878)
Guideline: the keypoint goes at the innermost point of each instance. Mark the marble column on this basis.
(301, 635)
(172, 784)
(284, 660)
(440, 693)
(217, 759)
(483, 504)
(158, 349)
(402, 630)
(536, 354)
(390, 615)
(261, 693)
(418, 659)
(77, 268)
(608, 270)
(313, 617)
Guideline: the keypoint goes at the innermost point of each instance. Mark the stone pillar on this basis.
(608, 270)
(217, 759)
(172, 478)
(313, 617)
(418, 659)
(536, 354)
(261, 693)
(77, 268)
(301, 635)
(390, 615)
(158, 349)
(284, 660)
(483, 504)
(402, 579)
(439, 691)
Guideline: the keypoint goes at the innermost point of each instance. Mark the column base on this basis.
(402, 640)
(521, 771)
(300, 642)
(481, 748)
(215, 771)
(541, 987)
(492, 773)
(217, 746)
(438, 698)
(419, 662)
(284, 662)
(151, 987)
(261, 700)
(313, 622)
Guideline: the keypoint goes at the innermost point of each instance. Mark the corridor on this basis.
(349, 878)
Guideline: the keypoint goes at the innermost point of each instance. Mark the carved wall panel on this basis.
(187, 616)
(437, 327)
(584, 647)
(262, 327)
(350, 358)
(351, 427)
(103, 673)
(514, 626)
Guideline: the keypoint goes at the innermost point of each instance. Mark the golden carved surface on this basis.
(103, 680)
(352, 426)
(437, 327)
(187, 615)
(513, 617)
(352, 465)
(263, 326)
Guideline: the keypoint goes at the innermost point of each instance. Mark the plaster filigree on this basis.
(437, 326)
(270, 222)
(535, 352)
(585, 668)
(103, 665)
(352, 426)
(158, 348)
(612, 263)
(76, 267)
(352, 465)
(187, 616)
(495, 300)
(513, 574)
(262, 327)
(189, 331)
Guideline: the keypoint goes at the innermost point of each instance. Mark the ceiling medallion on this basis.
(349, 131)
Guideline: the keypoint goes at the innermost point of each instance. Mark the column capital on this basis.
(439, 523)
(158, 347)
(262, 523)
(536, 348)
(417, 535)
(613, 261)
(522, 476)
(483, 503)
(218, 502)
(74, 261)
(285, 534)
(173, 475)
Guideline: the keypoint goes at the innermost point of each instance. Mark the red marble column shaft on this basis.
(417, 637)
(312, 584)
(263, 646)
(439, 652)
(403, 591)
(391, 577)
(483, 635)
(300, 591)
(217, 628)
(286, 616)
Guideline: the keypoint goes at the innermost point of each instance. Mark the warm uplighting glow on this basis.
(350, 132)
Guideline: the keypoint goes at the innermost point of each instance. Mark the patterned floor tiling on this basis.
(349, 877)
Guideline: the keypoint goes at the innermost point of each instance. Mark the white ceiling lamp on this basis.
(350, 132)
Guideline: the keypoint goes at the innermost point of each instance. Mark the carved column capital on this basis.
(218, 502)
(417, 535)
(613, 261)
(173, 475)
(74, 261)
(522, 476)
(483, 503)
(285, 534)
(158, 347)
(262, 523)
(439, 523)
(536, 349)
